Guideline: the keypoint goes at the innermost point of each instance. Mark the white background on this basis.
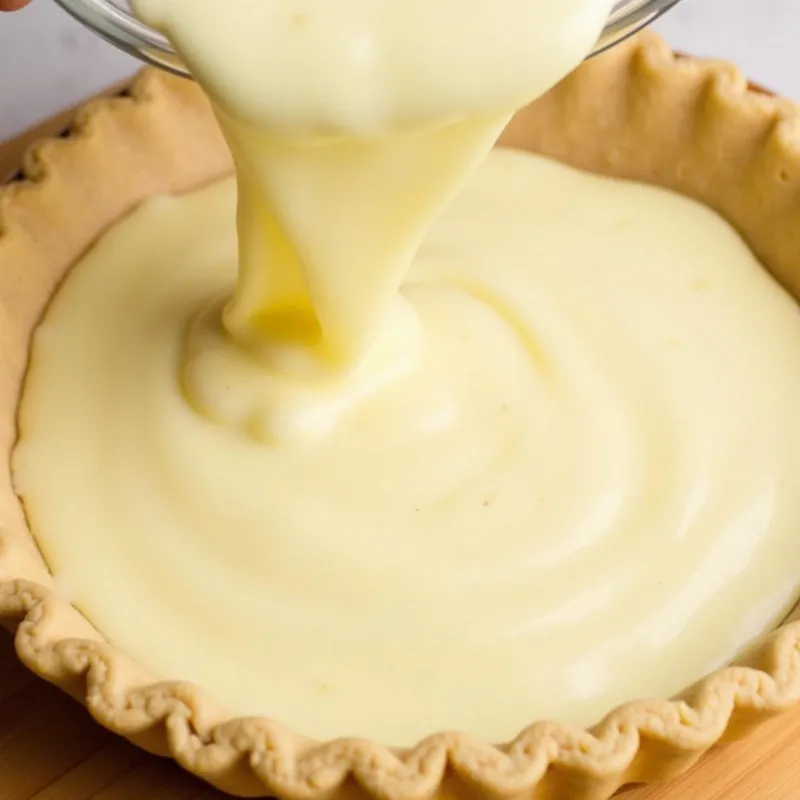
(48, 62)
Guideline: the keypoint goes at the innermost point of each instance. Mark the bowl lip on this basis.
(622, 26)
(124, 31)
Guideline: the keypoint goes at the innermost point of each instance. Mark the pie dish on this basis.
(637, 112)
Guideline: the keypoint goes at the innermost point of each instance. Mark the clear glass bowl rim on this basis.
(118, 26)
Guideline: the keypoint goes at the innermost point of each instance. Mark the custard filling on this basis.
(585, 491)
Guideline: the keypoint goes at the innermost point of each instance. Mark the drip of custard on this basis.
(388, 436)
(352, 125)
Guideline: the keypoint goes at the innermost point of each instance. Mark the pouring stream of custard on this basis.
(352, 126)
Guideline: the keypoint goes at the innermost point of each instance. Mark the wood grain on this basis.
(50, 749)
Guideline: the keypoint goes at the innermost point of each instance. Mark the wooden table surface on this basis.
(50, 749)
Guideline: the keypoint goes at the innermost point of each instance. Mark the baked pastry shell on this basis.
(638, 112)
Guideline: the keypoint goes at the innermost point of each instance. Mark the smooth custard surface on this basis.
(579, 485)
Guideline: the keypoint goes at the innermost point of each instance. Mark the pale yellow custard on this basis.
(586, 489)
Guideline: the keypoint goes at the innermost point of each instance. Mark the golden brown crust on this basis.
(637, 112)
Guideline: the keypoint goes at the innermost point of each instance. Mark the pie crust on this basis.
(638, 112)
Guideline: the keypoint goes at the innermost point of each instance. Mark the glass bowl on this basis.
(112, 19)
